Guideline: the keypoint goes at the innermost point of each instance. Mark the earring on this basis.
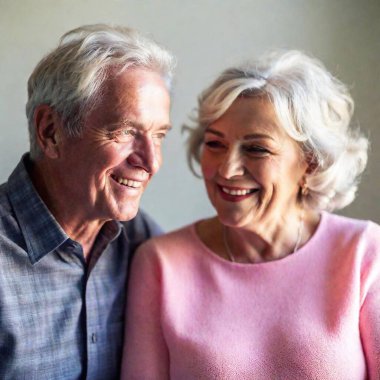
(304, 188)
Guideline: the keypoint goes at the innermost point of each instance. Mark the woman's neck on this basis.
(264, 242)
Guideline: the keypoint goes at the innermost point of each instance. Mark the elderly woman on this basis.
(274, 286)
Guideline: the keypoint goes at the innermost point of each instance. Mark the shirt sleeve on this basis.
(370, 309)
(145, 352)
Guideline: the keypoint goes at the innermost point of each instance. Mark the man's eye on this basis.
(124, 135)
(160, 136)
(128, 132)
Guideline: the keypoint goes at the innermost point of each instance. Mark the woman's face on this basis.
(251, 167)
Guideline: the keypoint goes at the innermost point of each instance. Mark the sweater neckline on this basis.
(302, 251)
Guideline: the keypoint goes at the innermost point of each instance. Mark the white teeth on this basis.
(128, 182)
(236, 192)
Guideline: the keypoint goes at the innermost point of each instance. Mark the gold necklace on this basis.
(296, 245)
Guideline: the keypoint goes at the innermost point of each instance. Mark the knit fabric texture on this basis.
(314, 314)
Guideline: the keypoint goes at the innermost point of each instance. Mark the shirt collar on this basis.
(41, 231)
(111, 230)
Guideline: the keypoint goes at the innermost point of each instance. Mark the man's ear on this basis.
(47, 124)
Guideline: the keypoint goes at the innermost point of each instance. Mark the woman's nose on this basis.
(231, 164)
(145, 155)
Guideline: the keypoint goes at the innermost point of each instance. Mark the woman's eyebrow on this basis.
(250, 136)
(214, 132)
(253, 136)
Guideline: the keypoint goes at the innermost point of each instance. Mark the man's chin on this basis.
(124, 209)
(126, 215)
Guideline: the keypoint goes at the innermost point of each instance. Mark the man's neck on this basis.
(84, 233)
(67, 214)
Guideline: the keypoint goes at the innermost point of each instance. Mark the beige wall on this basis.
(206, 36)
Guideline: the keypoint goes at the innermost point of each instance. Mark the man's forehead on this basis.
(133, 78)
(134, 85)
(124, 104)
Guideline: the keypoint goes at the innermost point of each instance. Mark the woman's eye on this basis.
(214, 144)
(255, 149)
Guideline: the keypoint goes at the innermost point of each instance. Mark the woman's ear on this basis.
(47, 124)
(311, 167)
(311, 162)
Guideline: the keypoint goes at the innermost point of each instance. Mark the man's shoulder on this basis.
(10, 233)
(7, 216)
(5, 206)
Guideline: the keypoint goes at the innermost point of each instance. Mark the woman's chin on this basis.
(235, 220)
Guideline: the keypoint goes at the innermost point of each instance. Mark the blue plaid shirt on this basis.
(60, 318)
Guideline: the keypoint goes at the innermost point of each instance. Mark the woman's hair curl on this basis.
(313, 107)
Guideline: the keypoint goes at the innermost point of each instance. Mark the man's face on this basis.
(105, 171)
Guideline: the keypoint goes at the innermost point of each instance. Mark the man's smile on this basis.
(127, 182)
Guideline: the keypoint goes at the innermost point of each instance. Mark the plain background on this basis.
(206, 36)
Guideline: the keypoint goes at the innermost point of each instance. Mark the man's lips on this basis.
(127, 182)
(235, 194)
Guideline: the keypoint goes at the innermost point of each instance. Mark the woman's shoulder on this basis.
(348, 224)
(364, 232)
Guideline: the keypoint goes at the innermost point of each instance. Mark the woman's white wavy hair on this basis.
(312, 106)
(70, 78)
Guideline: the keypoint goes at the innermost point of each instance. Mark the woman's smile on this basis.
(235, 194)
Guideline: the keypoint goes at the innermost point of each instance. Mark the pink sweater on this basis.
(311, 315)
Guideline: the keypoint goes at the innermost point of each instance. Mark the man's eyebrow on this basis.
(121, 124)
(167, 127)
(133, 124)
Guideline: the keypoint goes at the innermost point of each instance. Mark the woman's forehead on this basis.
(250, 116)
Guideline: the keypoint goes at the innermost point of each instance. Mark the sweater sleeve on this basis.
(145, 354)
(370, 309)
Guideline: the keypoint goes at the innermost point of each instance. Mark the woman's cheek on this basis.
(208, 171)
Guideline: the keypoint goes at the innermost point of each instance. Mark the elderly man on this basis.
(98, 110)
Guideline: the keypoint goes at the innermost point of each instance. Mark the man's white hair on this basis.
(70, 78)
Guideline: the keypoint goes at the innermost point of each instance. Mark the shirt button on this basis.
(94, 338)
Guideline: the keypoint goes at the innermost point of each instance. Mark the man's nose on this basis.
(145, 155)
(231, 164)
